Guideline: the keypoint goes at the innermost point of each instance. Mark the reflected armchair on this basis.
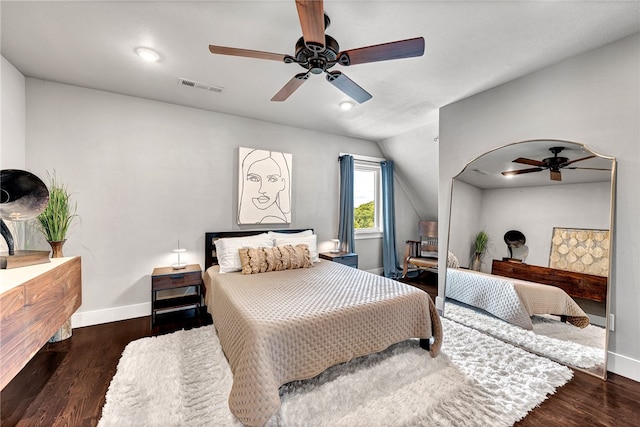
(423, 253)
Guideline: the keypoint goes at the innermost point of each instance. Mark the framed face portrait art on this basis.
(264, 187)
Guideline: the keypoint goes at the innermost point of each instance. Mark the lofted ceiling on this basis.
(470, 47)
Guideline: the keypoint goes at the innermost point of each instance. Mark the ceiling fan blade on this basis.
(521, 171)
(578, 160)
(591, 169)
(555, 175)
(348, 86)
(311, 14)
(531, 162)
(222, 50)
(383, 52)
(291, 86)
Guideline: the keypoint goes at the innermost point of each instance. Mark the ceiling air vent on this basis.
(198, 85)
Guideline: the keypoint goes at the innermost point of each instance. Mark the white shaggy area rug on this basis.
(183, 379)
(568, 344)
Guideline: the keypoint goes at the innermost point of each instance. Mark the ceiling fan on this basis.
(317, 52)
(554, 164)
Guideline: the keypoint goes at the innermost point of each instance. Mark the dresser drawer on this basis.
(176, 280)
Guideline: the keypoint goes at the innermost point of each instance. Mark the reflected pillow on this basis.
(452, 261)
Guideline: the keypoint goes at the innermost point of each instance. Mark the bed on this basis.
(280, 326)
(512, 300)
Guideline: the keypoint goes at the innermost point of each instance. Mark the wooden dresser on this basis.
(36, 300)
(577, 285)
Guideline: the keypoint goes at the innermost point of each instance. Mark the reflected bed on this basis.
(512, 300)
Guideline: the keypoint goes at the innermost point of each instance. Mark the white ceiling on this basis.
(470, 47)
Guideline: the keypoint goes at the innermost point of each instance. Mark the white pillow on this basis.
(275, 234)
(310, 241)
(227, 250)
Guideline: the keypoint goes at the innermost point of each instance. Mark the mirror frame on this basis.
(612, 204)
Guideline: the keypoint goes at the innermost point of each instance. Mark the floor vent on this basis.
(198, 85)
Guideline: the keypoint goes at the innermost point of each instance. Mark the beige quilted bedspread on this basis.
(512, 300)
(290, 325)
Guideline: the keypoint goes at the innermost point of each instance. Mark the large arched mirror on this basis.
(542, 281)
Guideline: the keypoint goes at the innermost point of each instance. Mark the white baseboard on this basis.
(623, 365)
(377, 271)
(96, 317)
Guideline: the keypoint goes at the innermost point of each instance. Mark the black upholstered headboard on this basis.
(210, 237)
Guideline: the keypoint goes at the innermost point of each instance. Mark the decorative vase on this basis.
(65, 330)
(477, 261)
(56, 248)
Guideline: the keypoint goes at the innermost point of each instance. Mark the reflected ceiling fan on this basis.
(317, 52)
(554, 164)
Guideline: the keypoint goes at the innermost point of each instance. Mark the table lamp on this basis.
(179, 265)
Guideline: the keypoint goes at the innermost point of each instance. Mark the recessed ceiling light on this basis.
(147, 54)
(346, 105)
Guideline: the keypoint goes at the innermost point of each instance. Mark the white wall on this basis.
(146, 174)
(592, 98)
(12, 117)
(415, 155)
(536, 210)
(466, 204)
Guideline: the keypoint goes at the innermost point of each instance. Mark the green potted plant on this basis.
(480, 241)
(56, 218)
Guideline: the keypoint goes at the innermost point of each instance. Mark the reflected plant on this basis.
(480, 241)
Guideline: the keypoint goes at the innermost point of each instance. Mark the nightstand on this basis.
(346, 258)
(176, 299)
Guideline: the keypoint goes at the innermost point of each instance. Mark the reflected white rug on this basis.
(582, 348)
(183, 379)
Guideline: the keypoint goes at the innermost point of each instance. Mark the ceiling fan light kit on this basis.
(317, 52)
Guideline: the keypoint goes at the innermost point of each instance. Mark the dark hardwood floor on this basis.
(65, 385)
(425, 280)
(65, 382)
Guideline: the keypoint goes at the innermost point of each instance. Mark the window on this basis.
(366, 199)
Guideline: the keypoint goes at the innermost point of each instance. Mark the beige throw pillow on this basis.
(278, 258)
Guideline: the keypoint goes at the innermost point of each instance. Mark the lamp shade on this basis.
(179, 265)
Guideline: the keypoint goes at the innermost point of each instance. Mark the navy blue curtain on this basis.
(345, 227)
(389, 251)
